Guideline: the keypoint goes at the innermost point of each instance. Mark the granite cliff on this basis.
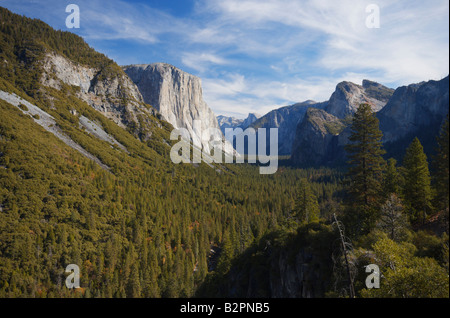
(110, 92)
(177, 96)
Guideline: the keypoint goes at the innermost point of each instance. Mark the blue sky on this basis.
(257, 55)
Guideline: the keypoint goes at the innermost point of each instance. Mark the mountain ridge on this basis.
(413, 110)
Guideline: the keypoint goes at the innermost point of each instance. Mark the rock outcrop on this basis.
(177, 96)
(317, 139)
(111, 93)
(348, 96)
(414, 107)
(280, 266)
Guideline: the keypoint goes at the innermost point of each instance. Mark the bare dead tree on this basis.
(345, 250)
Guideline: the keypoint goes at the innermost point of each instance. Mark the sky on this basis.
(259, 55)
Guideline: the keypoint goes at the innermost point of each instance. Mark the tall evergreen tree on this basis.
(441, 165)
(226, 254)
(391, 182)
(365, 151)
(306, 207)
(417, 190)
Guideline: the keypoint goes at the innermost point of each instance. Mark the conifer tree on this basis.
(364, 191)
(306, 207)
(391, 182)
(226, 254)
(417, 190)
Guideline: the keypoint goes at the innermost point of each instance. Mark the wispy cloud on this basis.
(236, 95)
(255, 55)
(200, 61)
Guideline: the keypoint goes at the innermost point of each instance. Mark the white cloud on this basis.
(117, 19)
(254, 55)
(313, 45)
(236, 95)
(201, 61)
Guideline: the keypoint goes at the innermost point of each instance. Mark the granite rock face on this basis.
(317, 139)
(251, 118)
(414, 107)
(348, 96)
(177, 96)
(343, 103)
(114, 95)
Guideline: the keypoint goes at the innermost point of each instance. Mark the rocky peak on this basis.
(348, 96)
(177, 96)
(251, 118)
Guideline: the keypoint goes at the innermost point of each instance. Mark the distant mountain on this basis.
(228, 122)
(413, 110)
(343, 102)
(233, 122)
(286, 119)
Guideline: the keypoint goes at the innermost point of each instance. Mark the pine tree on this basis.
(441, 164)
(364, 191)
(306, 207)
(417, 189)
(226, 254)
(391, 182)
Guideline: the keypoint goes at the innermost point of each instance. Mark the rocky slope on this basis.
(48, 123)
(113, 93)
(286, 120)
(317, 139)
(177, 96)
(348, 96)
(413, 107)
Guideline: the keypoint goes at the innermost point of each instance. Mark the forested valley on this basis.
(146, 227)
